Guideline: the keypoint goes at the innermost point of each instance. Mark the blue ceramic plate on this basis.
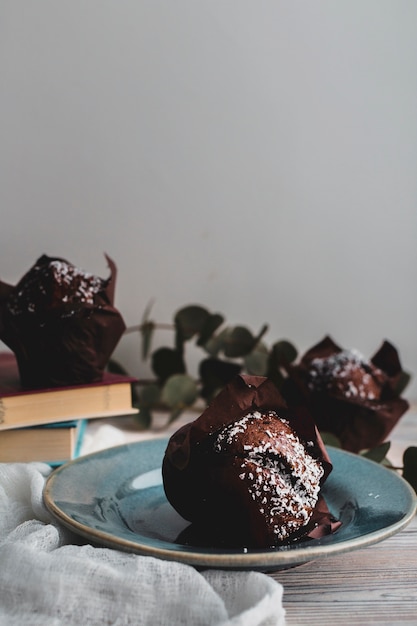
(115, 498)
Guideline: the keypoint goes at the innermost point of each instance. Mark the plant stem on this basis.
(139, 328)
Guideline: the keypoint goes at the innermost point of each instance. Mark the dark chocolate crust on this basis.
(210, 465)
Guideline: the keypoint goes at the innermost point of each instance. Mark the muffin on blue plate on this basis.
(249, 471)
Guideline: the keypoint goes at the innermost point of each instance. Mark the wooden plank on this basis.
(375, 585)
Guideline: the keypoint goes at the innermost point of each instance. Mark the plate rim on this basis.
(266, 559)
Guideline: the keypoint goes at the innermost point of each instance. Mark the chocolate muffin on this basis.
(61, 323)
(346, 373)
(352, 397)
(249, 467)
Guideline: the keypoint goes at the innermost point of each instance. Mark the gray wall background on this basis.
(259, 158)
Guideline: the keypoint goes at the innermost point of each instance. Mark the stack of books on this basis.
(48, 424)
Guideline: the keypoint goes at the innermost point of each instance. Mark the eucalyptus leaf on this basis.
(283, 352)
(410, 466)
(147, 330)
(149, 396)
(212, 323)
(329, 439)
(143, 419)
(147, 312)
(215, 374)
(135, 395)
(166, 362)
(217, 343)
(256, 362)
(179, 391)
(240, 342)
(276, 377)
(174, 414)
(379, 453)
(261, 333)
(387, 463)
(189, 321)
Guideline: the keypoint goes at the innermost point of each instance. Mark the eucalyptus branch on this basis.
(227, 351)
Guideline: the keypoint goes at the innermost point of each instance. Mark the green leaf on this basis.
(261, 333)
(283, 352)
(387, 463)
(149, 396)
(147, 311)
(329, 439)
(179, 391)
(175, 413)
(143, 419)
(217, 343)
(240, 342)
(377, 454)
(256, 362)
(189, 321)
(215, 374)
(135, 395)
(210, 326)
(147, 330)
(276, 377)
(410, 466)
(166, 362)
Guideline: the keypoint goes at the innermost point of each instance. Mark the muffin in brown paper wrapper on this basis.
(61, 323)
(207, 488)
(351, 397)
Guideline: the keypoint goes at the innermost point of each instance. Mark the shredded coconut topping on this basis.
(347, 372)
(57, 283)
(280, 475)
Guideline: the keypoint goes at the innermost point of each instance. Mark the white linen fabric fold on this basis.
(50, 577)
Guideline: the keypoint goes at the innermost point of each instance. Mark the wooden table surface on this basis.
(373, 585)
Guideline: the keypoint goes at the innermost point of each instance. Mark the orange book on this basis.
(52, 443)
(29, 407)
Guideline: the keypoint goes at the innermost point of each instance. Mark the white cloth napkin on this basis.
(49, 577)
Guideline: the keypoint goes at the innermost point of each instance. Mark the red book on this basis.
(29, 407)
